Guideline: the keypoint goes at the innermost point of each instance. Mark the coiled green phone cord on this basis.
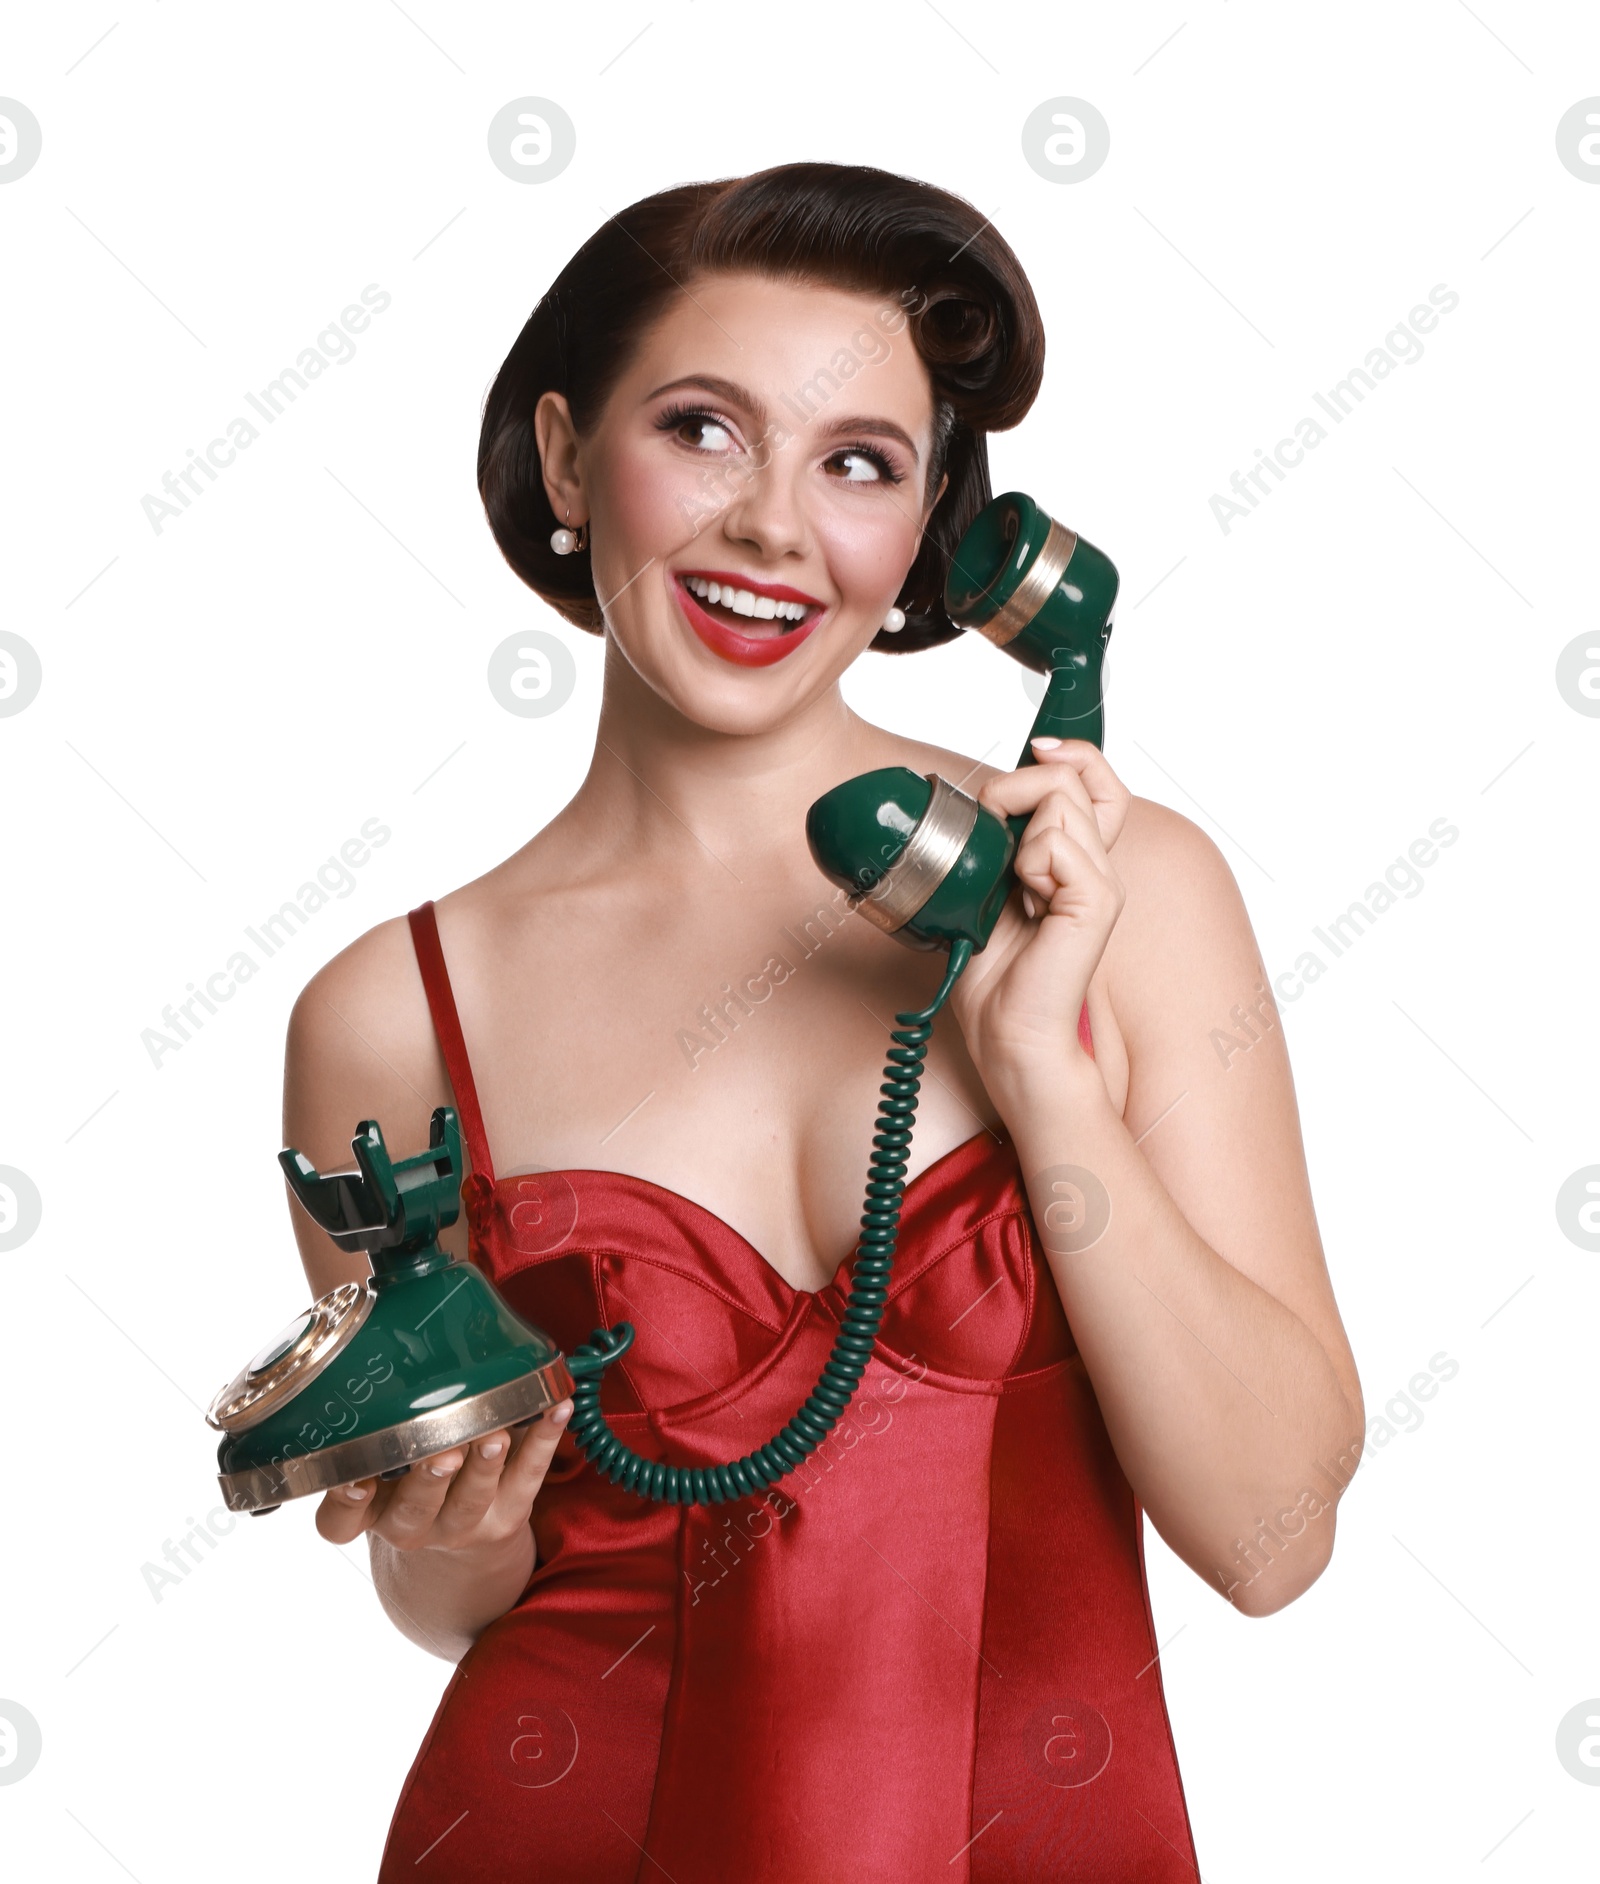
(852, 1347)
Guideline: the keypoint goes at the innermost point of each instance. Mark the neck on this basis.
(690, 794)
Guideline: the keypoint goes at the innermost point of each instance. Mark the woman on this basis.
(739, 438)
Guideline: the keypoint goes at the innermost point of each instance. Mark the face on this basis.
(755, 490)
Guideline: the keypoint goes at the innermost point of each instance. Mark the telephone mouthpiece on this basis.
(921, 859)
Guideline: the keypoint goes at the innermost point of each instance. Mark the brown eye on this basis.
(860, 464)
(701, 430)
(707, 434)
(860, 467)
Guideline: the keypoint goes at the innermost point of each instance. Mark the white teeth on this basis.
(745, 601)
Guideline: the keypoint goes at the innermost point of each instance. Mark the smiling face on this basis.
(755, 488)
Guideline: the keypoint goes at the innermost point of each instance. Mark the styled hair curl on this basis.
(970, 312)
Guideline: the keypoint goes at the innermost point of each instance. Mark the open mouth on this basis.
(746, 610)
(750, 625)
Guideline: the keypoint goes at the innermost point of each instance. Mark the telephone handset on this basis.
(362, 1384)
(923, 861)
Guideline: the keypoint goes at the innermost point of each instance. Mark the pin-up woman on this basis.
(738, 439)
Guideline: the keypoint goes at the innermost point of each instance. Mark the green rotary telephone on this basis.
(355, 1388)
(421, 1357)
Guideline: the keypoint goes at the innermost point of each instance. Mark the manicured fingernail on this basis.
(1029, 907)
(1045, 745)
(442, 1468)
(355, 1493)
(492, 1448)
(559, 1415)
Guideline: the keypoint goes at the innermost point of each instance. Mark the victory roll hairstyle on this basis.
(969, 308)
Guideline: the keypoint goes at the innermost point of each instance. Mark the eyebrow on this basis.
(736, 395)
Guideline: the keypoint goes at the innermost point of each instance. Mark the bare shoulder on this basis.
(373, 987)
(1183, 940)
(362, 1023)
(361, 1045)
(1171, 867)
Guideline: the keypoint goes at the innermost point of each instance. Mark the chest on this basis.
(732, 1057)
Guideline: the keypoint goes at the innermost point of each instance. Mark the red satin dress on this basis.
(926, 1654)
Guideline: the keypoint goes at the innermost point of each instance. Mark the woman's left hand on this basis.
(1018, 1001)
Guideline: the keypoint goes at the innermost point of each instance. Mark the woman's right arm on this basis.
(451, 1542)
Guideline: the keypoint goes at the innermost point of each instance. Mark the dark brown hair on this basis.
(970, 312)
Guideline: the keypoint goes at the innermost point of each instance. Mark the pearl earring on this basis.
(894, 621)
(564, 542)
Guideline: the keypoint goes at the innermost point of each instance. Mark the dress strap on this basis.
(447, 1025)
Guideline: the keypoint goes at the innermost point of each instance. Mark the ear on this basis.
(944, 485)
(559, 457)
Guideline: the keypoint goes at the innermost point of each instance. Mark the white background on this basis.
(1371, 649)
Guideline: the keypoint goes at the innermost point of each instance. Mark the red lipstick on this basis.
(726, 641)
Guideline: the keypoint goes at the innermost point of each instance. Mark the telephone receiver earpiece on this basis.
(923, 860)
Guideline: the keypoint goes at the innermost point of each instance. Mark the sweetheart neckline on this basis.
(1001, 1139)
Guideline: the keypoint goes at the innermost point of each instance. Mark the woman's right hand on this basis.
(475, 1497)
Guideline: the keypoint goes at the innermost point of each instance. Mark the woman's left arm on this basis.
(1184, 1242)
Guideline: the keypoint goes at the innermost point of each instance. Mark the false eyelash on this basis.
(674, 416)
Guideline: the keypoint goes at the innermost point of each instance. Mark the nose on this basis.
(765, 510)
